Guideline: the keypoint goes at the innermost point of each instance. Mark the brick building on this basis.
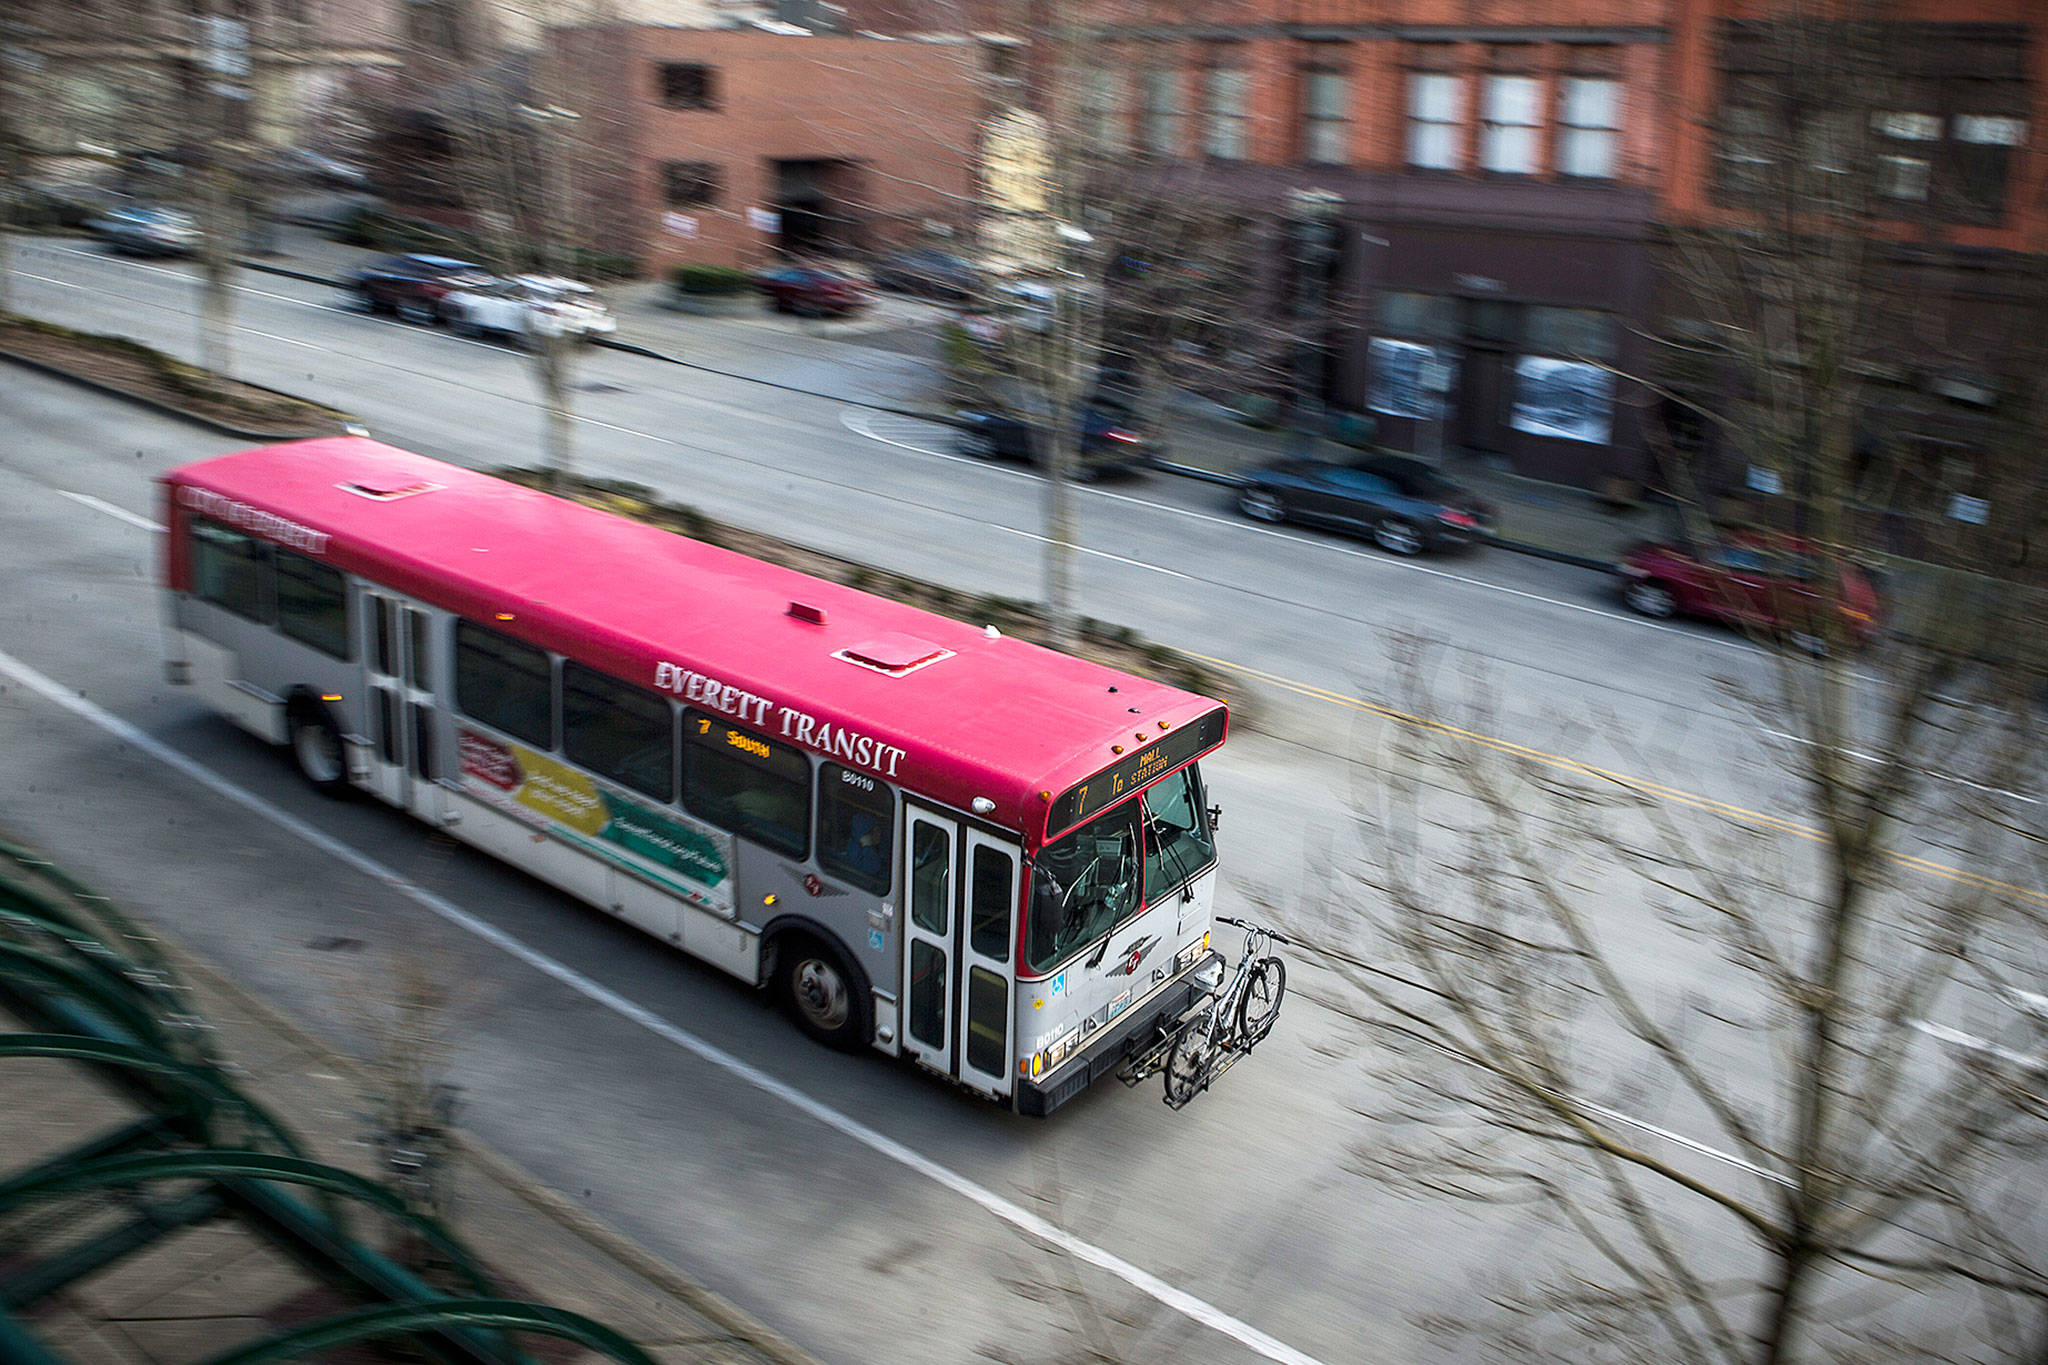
(735, 146)
(1495, 170)
(1504, 172)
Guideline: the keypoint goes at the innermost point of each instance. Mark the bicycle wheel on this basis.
(1187, 1066)
(1259, 1006)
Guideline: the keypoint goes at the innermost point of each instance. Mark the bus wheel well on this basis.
(800, 961)
(314, 738)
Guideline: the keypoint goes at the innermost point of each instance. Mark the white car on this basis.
(529, 306)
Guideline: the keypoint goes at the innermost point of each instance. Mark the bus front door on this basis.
(401, 703)
(958, 932)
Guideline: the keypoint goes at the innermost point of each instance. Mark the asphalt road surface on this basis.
(861, 1209)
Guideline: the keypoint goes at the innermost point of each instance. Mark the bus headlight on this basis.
(1191, 954)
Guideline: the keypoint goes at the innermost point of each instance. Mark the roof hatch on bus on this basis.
(387, 491)
(894, 655)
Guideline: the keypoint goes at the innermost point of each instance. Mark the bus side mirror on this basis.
(1215, 817)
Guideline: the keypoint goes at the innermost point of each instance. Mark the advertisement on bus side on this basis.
(690, 859)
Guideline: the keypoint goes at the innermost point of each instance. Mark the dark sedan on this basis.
(926, 274)
(413, 286)
(1112, 441)
(1404, 504)
(811, 292)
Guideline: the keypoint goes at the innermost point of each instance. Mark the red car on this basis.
(1754, 583)
(810, 292)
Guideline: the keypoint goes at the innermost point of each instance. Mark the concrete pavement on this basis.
(194, 1292)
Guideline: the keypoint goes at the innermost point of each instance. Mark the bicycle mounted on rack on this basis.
(1222, 1026)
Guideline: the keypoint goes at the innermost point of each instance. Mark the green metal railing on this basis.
(97, 991)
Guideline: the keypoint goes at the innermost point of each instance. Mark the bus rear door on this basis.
(959, 927)
(400, 711)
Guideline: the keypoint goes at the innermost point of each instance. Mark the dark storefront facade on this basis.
(1500, 322)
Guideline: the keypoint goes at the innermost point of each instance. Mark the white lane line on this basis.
(1025, 1221)
(1099, 554)
(62, 284)
(1859, 756)
(861, 423)
(1972, 1043)
(118, 513)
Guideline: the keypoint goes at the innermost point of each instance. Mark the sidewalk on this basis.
(885, 357)
(192, 1293)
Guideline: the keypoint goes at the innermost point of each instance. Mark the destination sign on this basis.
(1133, 771)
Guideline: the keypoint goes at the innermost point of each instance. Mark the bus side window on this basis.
(747, 782)
(228, 569)
(504, 683)
(618, 731)
(312, 604)
(856, 815)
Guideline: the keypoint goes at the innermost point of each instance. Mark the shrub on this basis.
(711, 279)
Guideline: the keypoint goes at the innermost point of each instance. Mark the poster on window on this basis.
(1410, 379)
(1563, 398)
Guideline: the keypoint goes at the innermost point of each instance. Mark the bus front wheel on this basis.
(316, 748)
(822, 994)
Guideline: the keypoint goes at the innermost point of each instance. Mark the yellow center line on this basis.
(1657, 789)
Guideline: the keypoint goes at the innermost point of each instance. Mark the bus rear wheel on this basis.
(316, 748)
(821, 993)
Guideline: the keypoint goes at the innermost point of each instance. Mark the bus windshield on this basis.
(1088, 882)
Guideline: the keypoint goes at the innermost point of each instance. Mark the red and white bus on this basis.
(927, 838)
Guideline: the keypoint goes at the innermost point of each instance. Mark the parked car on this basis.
(1111, 438)
(1770, 584)
(414, 286)
(527, 306)
(146, 230)
(1404, 504)
(926, 273)
(811, 291)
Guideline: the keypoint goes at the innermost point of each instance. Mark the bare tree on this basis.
(489, 91)
(1777, 1076)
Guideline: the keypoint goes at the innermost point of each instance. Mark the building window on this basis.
(1225, 135)
(1162, 112)
(1325, 110)
(1436, 109)
(688, 85)
(1102, 109)
(1745, 150)
(689, 184)
(1982, 152)
(1590, 131)
(1905, 154)
(1513, 122)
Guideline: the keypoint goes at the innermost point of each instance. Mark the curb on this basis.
(744, 1329)
(1163, 466)
(158, 405)
(646, 352)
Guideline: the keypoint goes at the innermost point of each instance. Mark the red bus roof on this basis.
(947, 710)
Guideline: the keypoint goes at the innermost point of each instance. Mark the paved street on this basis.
(862, 1211)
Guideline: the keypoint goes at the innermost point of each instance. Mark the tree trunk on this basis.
(1061, 631)
(551, 366)
(217, 268)
(1785, 1303)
